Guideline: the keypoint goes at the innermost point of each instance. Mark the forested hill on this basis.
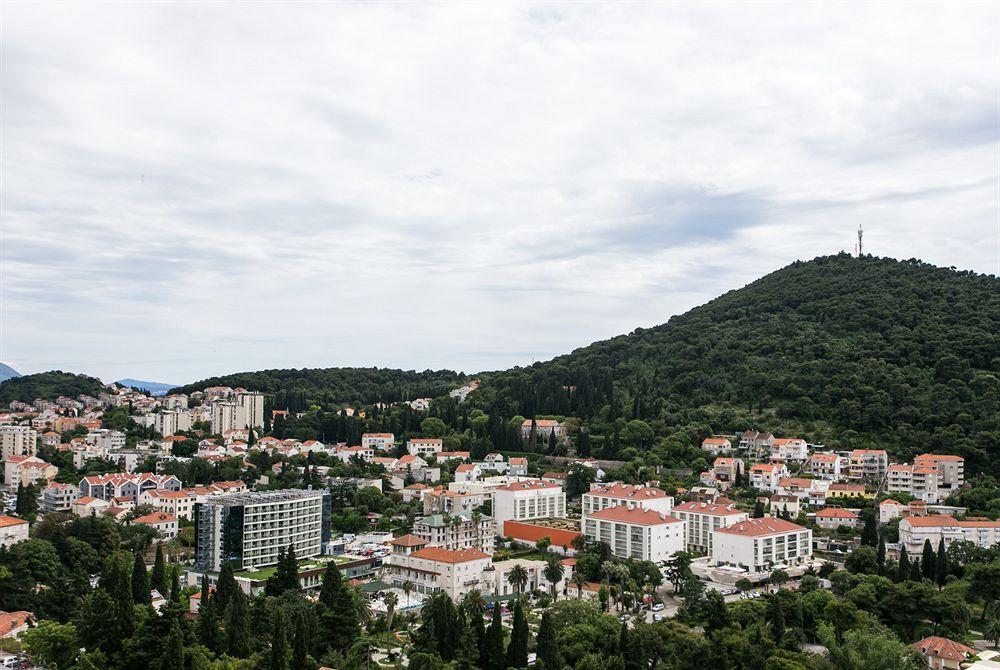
(848, 351)
(293, 389)
(48, 385)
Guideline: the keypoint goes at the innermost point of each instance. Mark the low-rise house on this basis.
(115, 485)
(88, 505)
(868, 464)
(448, 501)
(717, 445)
(943, 654)
(432, 569)
(785, 504)
(834, 517)
(518, 467)
(725, 469)
(839, 490)
(544, 428)
(555, 478)
(790, 449)
(378, 441)
(445, 456)
(765, 476)
(467, 472)
(12, 624)
(12, 530)
(889, 509)
(535, 571)
(760, 545)
(345, 454)
(423, 446)
(826, 465)
(165, 523)
(561, 540)
(634, 532)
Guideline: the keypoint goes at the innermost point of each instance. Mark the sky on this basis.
(193, 189)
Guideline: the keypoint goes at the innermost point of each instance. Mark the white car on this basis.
(658, 607)
(657, 617)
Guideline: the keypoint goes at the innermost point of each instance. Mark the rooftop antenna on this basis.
(861, 233)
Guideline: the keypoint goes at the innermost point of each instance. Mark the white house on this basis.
(717, 445)
(834, 517)
(642, 534)
(603, 496)
(890, 509)
(161, 521)
(703, 518)
(432, 569)
(760, 545)
(765, 476)
(531, 499)
(423, 446)
(378, 441)
(790, 449)
(12, 530)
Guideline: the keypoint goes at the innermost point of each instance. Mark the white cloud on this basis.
(192, 189)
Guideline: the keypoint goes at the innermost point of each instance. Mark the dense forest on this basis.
(48, 385)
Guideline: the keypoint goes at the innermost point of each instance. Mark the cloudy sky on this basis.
(202, 188)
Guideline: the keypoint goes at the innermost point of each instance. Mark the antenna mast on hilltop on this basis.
(861, 233)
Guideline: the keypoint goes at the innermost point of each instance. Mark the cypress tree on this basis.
(338, 610)
(479, 630)
(927, 561)
(173, 652)
(776, 617)
(622, 638)
(175, 584)
(941, 564)
(869, 536)
(903, 569)
(548, 646)
(300, 643)
(238, 626)
(758, 509)
(517, 650)
(915, 572)
(279, 644)
(226, 587)
(140, 581)
(466, 653)
(208, 621)
(494, 641)
(158, 578)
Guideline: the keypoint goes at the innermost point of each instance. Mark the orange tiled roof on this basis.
(760, 527)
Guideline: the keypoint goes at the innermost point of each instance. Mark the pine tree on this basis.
(494, 641)
(158, 578)
(173, 651)
(225, 587)
(941, 564)
(517, 650)
(903, 569)
(338, 607)
(238, 626)
(548, 646)
(927, 561)
(279, 644)
(140, 581)
(300, 643)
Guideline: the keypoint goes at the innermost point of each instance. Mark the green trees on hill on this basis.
(48, 385)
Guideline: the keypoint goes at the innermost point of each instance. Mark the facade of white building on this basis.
(433, 569)
(637, 533)
(603, 496)
(524, 500)
(914, 530)
(760, 545)
(457, 531)
(378, 441)
(702, 519)
(18, 441)
(425, 446)
(226, 416)
(12, 530)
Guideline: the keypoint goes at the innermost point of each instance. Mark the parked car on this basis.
(657, 617)
(658, 607)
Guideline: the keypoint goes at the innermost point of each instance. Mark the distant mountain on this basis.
(49, 386)
(153, 388)
(7, 372)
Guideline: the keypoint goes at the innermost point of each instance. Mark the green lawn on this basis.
(264, 573)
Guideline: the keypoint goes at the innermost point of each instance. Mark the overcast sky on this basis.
(202, 188)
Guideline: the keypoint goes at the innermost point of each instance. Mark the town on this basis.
(389, 534)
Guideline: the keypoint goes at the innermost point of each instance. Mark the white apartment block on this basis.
(702, 519)
(914, 530)
(870, 464)
(105, 440)
(931, 478)
(603, 496)
(345, 454)
(525, 500)
(642, 534)
(12, 531)
(226, 416)
(249, 529)
(432, 569)
(765, 476)
(378, 441)
(253, 406)
(170, 422)
(760, 545)
(950, 469)
(424, 446)
(117, 485)
(27, 470)
(455, 532)
(826, 465)
(17, 441)
(176, 402)
(58, 497)
(790, 449)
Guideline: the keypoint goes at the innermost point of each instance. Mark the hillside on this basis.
(295, 389)
(846, 351)
(48, 385)
(7, 372)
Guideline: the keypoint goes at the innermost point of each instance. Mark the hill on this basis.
(844, 351)
(295, 389)
(153, 388)
(7, 372)
(48, 385)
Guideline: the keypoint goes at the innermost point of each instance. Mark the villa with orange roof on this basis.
(432, 569)
(543, 429)
(717, 445)
(942, 653)
(834, 517)
(914, 530)
(422, 446)
(27, 470)
(12, 530)
(378, 441)
(790, 449)
(765, 476)
(161, 521)
(826, 465)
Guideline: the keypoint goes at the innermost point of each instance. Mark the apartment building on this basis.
(425, 446)
(249, 529)
(702, 519)
(614, 494)
(931, 478)
(826, 465)
(765, 476)
(378, 441)
(457, 531)
(832, 518)
(228, 415)
(12, 530)
(790, 449)
(449, 501)
(169, 422)
(105, 439)
(868, 464)
(165, 523)
(18, 441)
(756, 443)
(531, 499)
(760, 545)
(725, 469)
(914, 530)
(253, 408)
(115, 485)
(433, 569)
(181, 504)
(950, 471)
(58, 497)
(634, 532)
(27, 470)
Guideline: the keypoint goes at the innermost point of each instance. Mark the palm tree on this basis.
(553, 572)
(474, 602)
(518, 578)
(578, 580)
(993, 631)
(391, 600)
(456, 521)
(617, 571)
(407, 590)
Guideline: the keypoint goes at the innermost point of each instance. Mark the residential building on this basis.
(868, 464)
(839, 490)
(518, 467)
(457, 531)
(832, 518)
(345, 454)
(18, 441)
(449, 501)
(784, 504)
(88, 505)
(181, 504)
(944, 654)
(603, 496)
(890, 509)
(765, 476)
(444, 456)
(12, 624)
(105, 439)
(725, 469)
(759, 545)
(228, 415)
(950, 471)
(914, 530)
(544, 428)
(27, 470)
(253, 408)
(634, 532)
(115, 485)
(531, 499)
(165, 523)
(756, 443)
(701, 519)
(535, 570)
(790, 449)
(467, 472)
(249, 529)
(424, 446)
(826, 465)
(378, 441)
(432, 569)
(168, 422)
(560, 539)
(717, 445)
(12, 530)
(58, 497)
